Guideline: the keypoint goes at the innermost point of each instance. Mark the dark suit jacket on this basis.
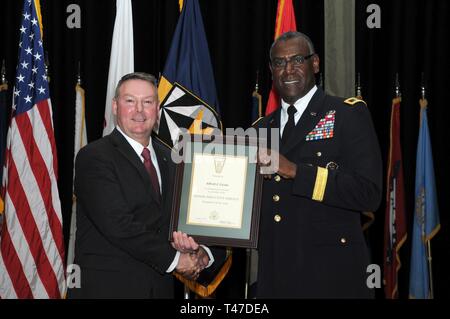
(311, 241)
(122, 242)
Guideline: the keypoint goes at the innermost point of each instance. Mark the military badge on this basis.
(332, 166)
(324, 129)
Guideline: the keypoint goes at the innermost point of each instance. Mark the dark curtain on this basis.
(411, 40)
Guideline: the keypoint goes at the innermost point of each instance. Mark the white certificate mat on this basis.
(217, 191)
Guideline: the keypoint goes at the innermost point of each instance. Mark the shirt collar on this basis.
(137, 147)
(302, 102)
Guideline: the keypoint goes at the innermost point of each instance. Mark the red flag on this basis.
(285, 22)
(395, 223)
(31, 242)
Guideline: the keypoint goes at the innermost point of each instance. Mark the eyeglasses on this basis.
(296, 60)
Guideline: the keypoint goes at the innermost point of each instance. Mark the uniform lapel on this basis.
(309, 119)
(273, 122)
(128, 152)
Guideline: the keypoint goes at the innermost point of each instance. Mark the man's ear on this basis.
(316, 63)
(114, 106)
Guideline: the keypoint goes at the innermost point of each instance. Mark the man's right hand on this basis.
(190, 265)
(271, 162)
(184, 243)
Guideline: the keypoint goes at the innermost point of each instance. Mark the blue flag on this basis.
(188, 62)
(426, 214)
(186, 89)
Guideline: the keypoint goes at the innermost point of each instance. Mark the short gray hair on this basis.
(136, 76)
(293, 35)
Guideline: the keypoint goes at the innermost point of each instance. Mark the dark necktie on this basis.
(151, 170)
(289, 127)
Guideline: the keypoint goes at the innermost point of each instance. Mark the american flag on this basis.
(31, 242)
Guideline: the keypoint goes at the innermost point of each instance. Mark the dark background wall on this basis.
(412, 39)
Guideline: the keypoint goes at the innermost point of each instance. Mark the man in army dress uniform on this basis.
(311, 242)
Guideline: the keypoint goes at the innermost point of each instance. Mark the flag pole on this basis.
(248, 252)
(429, 258)
(397, 86)
(247, 272)
(430, 270)
(187, 292)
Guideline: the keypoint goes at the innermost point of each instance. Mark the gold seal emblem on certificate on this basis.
(219, 163)
(214, 215)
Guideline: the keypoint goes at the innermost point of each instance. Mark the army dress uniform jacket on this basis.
(311, 243)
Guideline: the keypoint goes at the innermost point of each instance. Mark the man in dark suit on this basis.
(123, 184)
(311, 241)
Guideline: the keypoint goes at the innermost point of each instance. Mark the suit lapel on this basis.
(309, 119)
(163, 169)
(128, 152)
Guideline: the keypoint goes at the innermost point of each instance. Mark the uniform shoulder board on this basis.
(353, 100)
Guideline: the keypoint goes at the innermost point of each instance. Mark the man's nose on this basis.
(139, 106)
(289, 68)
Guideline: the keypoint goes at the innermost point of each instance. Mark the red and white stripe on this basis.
(32, 246)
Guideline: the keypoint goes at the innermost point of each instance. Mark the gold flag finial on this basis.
(79, 73)
(358, 86)
(3, 73)
(422, 87)
(47, 63)
(256, 83)
(397, 86)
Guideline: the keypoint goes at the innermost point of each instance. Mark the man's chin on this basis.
(291, 95)
(141, 131)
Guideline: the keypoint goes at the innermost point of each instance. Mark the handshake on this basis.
(193, 258)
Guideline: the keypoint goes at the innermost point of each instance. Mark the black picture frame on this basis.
(246, 235)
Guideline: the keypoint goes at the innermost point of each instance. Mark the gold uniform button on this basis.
(276, 198)
(343, 240)
(319, 154)
(277, 218)
(277, 178)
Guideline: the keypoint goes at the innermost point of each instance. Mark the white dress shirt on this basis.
(138, 148)
(300, 105)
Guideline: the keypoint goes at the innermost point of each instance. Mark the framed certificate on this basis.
(217, 192)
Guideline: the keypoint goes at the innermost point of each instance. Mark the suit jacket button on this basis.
(277, 218)
(343, 240)
(277, 178)
(276, 198)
